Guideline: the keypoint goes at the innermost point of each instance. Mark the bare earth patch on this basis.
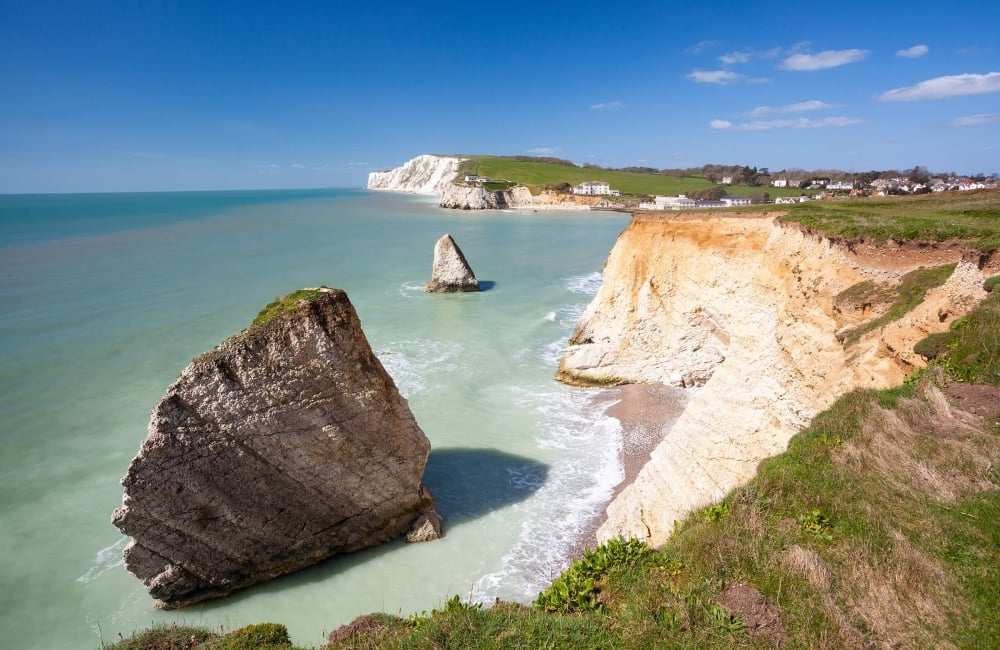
(760, 617)
(363, 626)
(977, 399)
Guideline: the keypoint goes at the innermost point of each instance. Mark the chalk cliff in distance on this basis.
(435, 176)
(284, 445)
(745, 308)
(424, 174)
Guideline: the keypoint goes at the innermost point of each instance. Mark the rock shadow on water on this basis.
(486, 285)
(467, 483)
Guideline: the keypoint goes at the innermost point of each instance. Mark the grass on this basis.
(970, 350)
(971, 216)
(901, 298)
(287, 304)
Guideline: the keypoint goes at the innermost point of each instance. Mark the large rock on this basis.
(450, 272)
(286, 444)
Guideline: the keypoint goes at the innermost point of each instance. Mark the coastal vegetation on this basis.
(972, 216)
(287, 304)
(875, 528)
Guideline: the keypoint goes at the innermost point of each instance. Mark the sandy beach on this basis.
(646, 413)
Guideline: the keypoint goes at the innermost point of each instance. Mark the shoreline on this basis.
(646, 412)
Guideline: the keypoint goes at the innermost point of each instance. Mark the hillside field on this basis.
(540, 174)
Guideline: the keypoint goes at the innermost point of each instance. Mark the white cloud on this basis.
(914, 52)
(735, 57)
(800, 107)
(800, 123)
(542, 151)
(607, 106)
(823, 60)
(720, 77)
(297, 166)
(941, 87)
(976, 120)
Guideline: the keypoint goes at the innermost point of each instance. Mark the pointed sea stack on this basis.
(286, 444)
(451, 273)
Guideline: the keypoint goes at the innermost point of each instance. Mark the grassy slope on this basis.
(539, 175)
(877, 526)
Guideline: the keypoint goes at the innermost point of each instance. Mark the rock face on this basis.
(284, 445)
(450, 272)
(744, 308)
(424, 174)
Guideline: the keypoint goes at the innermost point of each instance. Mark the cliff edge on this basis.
(425, 174)
(284, 445)
(745, 309)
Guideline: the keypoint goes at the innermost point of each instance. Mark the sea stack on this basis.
(450, 273)
(286, 444)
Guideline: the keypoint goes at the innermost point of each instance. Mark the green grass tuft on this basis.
(287, 304)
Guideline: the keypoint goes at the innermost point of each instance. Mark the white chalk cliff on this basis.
(745, 308)
(436, 175)
(424, 174)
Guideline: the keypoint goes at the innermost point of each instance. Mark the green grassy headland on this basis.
(537, 175)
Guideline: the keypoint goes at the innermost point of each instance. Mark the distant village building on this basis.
(601, 188)
(471, 178)
(840, 185)
(727, 180)
(681, 202)
(780, 182)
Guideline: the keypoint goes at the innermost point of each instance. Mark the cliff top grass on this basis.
(876, 528)
(972, 216)
(287, 304)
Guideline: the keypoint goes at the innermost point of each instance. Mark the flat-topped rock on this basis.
(286, 444)
(450, 272)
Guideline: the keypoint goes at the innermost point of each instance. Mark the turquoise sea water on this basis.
(105, 298)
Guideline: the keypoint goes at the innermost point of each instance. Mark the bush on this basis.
(262, 636)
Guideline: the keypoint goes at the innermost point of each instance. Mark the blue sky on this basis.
(131, 96)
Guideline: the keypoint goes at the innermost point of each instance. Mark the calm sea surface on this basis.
(105, 298)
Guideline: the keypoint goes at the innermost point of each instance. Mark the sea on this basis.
(105, 298)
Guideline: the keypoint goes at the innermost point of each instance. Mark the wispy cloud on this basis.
(914, 52)
(542, 151)
(976, 120)
(823, 60)
(720, 77)
(701, 46)
(942, 87)
(607, 106)
(732, 58)
(800, 107)
(800, 123)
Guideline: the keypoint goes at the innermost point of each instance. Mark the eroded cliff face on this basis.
(286, 444)
(743, 308)
(424, 174)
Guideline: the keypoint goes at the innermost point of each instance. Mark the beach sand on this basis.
(646, 413)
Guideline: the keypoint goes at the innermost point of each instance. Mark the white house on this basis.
(595, 187)
(840, 185)
(785, 199)
(727, 180)
(780, 182)
(735, 199)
